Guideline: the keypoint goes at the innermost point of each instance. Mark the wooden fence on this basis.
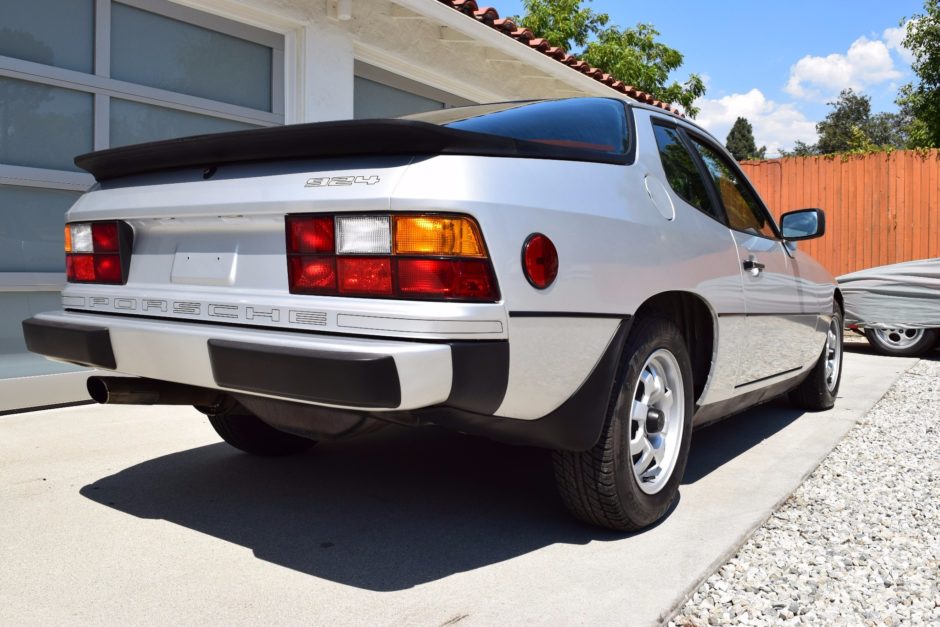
(880, 208)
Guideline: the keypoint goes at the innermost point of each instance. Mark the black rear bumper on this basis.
(77, 343)
(366, 380)
(371, 382)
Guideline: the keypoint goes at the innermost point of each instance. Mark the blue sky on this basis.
(776, 63)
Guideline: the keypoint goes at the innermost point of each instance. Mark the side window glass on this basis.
(681, 171)
(742, 207)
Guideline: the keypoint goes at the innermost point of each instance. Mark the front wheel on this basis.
(630, 478)
(902, 342)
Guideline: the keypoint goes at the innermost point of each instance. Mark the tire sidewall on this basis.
(650, 507)
(831, 394)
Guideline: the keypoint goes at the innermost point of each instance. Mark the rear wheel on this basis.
(247, 432)
(902, 342)
(818, 391)
(631, 477)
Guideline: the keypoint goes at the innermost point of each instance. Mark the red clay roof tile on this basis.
(464, 6)
(504, 23)
(490, 17)
(486, 15)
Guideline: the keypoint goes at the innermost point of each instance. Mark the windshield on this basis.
(597, 124)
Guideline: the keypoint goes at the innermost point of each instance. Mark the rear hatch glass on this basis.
(595, 124)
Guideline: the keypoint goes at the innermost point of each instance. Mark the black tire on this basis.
(818, 391)
(927, 341)
(599, 486)
(247, 432)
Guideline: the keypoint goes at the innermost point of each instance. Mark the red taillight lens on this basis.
(312, 275)
(539, 261)
(80, 267)
(107, 268)
(415, 256)
(446, 278)
(104, 237)
(365, 275)
(310, 235)
(97, 252)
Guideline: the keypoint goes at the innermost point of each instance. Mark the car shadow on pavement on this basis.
(387, 511)
(717, 444)
(390, 510)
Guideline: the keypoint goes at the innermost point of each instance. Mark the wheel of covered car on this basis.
(819, 389)
(247, 432)
(631, 477)
(902, 342)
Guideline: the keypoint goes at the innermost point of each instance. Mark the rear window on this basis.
(596, 124)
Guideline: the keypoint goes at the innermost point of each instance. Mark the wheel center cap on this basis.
(655, 420)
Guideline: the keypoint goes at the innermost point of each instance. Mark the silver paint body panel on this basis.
(213, 251)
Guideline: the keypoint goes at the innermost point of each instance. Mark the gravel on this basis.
(858, 543)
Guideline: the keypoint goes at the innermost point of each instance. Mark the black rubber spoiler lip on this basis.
(319, 140)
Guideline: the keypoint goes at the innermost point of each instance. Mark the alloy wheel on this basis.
(833, 353)
(656, 421)
(899, 338)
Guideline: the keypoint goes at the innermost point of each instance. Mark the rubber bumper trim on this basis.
(574, 426)
(480, 375)
(76, 343)
(335, 378)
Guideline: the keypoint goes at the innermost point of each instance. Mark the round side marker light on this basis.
(539, 261)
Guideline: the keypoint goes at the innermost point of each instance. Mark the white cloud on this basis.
(893, 38)
(776, 125)
(867, 62)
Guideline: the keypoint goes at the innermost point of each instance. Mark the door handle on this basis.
(753, 266)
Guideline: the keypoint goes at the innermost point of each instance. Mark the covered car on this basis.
(896, 306)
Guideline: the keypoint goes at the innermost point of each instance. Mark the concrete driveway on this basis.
(141, 515)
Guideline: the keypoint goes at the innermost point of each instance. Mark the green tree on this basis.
(845, 124)
(632, 55)
(565, 23)
(800, 149)
(888, 129)
(851, 126)
(740, 141)
(922, 100)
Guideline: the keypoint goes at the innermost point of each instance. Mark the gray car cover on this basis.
(902, 295)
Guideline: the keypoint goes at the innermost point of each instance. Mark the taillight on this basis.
(98, 252)
(427, 257)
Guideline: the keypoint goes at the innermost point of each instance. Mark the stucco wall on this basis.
(418, 42)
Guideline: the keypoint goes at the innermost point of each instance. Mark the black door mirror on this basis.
(803, 224)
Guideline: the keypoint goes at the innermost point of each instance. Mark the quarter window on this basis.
(741, 205)
(681, 172)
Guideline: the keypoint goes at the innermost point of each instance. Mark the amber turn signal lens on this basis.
(437, 235)
(68, 238)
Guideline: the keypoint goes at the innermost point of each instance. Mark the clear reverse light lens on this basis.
(362, 235)
(81, 238)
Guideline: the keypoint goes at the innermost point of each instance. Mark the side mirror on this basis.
(803, 224)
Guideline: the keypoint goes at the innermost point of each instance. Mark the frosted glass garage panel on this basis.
(375, 100)
(15, 360)
(158, 51)
(135, 123)
(31, 221)
(42, 126)
(52, 32)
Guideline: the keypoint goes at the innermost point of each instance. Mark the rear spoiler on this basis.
(320, 140)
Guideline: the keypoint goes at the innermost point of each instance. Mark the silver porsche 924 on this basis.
(592, 276)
